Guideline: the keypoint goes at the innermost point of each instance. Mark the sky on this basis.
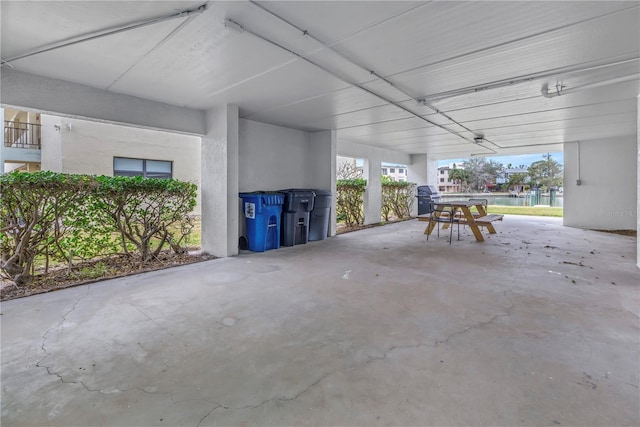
(522, 159)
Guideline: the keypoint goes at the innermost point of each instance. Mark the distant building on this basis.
(503, 178)
(445, 185)
(395, 172)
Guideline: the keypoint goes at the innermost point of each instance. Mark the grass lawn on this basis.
(525, 210)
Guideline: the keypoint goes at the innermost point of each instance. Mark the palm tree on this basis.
(460, 177)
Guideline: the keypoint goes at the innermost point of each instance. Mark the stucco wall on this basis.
(607, 196)
(272, 157)
(51, 152)
(89, 148)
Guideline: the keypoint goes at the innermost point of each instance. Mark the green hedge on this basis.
(350, 201)
(397, 199)
(61, 216)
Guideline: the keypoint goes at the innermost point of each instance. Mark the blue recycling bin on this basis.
(262, 213)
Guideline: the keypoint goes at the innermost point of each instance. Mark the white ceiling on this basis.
(438, 51)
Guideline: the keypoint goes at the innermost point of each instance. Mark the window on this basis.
(392, 170)
(401, 170)
(441, 171)
(441, 179)
(384, 171)
(123, 166)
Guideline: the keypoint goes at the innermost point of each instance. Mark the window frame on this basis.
(143, 173)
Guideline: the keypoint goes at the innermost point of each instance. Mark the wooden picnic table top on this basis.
(466, 203)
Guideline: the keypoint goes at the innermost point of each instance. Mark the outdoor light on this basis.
(478, 139)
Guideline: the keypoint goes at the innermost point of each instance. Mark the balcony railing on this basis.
(22, 135)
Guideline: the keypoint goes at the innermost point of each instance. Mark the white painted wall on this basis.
(51, 151)
(607, 196)
(86, 147)
(273, 157)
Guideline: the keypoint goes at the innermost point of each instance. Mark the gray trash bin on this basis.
(320, 215)
(295, 216)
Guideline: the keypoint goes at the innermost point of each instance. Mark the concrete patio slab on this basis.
(538, 325)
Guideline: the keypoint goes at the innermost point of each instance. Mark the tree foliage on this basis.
(547, 172)
(516, 179)
(482, 172)
(348, 170)
(461, 177)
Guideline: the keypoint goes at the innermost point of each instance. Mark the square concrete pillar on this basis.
(219, 182)
(323, 168)
(373, 194)
(422, 171)
(2, 145)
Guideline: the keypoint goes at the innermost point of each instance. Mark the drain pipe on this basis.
(106, 32)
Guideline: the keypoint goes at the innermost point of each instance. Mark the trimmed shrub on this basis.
(397, 199)
(350, 201)
(53, 215)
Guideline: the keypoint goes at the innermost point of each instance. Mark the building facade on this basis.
(35, 141)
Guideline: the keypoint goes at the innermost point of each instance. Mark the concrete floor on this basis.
(539, 325)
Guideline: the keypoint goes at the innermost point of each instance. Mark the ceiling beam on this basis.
(32, 92)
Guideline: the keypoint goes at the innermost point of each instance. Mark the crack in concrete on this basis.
(43, 347)
(369, 360)
(480, 324)
(287, 399)
(153, 320)
(45, 336)
(208, 413)
(315, 383)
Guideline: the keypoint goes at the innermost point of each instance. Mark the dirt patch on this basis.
(94, 271)
(632, 233)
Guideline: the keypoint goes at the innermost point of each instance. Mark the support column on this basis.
(219, 182)
(638, 185)
(2, 146)
(373, 195)
(323, 168)
(422, 171)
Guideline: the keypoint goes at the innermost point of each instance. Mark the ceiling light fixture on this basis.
(479, 139)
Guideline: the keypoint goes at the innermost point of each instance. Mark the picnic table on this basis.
(463, 215)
